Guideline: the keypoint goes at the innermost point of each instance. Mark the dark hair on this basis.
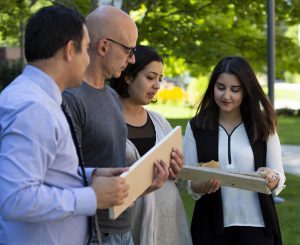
(144, 55)
(260, 121)
(50, 29)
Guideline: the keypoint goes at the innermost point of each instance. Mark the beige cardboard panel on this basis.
(140, 174)
(247, 181)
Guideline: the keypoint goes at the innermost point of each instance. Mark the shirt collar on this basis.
(44, 81)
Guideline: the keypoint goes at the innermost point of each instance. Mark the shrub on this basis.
(9, 70)
(287, 112)
(171, 94)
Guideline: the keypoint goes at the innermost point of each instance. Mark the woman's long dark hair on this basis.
(257, 112)
(144, 55)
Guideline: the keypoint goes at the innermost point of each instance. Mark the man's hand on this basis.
(110, 191)
(176, 163)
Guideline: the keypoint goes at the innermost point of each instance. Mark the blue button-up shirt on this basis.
(42, 196)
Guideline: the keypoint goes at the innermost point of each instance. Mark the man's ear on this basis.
(69, 50)
(102, 46)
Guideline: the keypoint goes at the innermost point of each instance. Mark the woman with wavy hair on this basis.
(235, 124)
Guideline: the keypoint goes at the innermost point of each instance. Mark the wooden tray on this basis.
(251, 181)
(140, 174)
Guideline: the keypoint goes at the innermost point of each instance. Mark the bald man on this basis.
(97, 110)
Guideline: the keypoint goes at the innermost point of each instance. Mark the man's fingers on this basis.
(110, 191)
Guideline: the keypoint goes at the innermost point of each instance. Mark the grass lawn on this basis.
(288, 211)
(289, 130)
(172, 110)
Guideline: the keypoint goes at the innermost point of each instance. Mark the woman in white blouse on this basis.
(236, 125)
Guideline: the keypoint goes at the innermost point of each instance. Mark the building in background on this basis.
(10, 53)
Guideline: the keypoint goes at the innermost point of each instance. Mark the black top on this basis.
(143, 137)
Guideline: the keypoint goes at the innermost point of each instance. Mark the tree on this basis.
(15, 13)
(202, 32)
(191, 33)
(13, 20)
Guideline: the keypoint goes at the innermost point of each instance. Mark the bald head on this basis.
(111, 22)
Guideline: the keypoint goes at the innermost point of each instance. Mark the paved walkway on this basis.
(291, 159)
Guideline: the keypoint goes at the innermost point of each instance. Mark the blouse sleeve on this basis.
(190, 157)
(274, 161)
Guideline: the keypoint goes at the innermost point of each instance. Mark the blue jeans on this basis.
(114, 239)
(118, 239)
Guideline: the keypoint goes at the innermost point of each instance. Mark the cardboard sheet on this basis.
(251, 181)
(140, 174)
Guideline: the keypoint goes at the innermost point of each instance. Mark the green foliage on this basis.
(13, 16)
(196, 89)
(202, 32)
(10, 28)
(291, 77)
(83, 6)
(191, 35)
(174, 66)
(15, 13)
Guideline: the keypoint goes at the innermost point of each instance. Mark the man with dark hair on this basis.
(42, 43)
(44, 197)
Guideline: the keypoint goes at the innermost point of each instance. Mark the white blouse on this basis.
(240, 207)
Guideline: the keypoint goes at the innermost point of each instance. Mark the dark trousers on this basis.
(242, 235)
